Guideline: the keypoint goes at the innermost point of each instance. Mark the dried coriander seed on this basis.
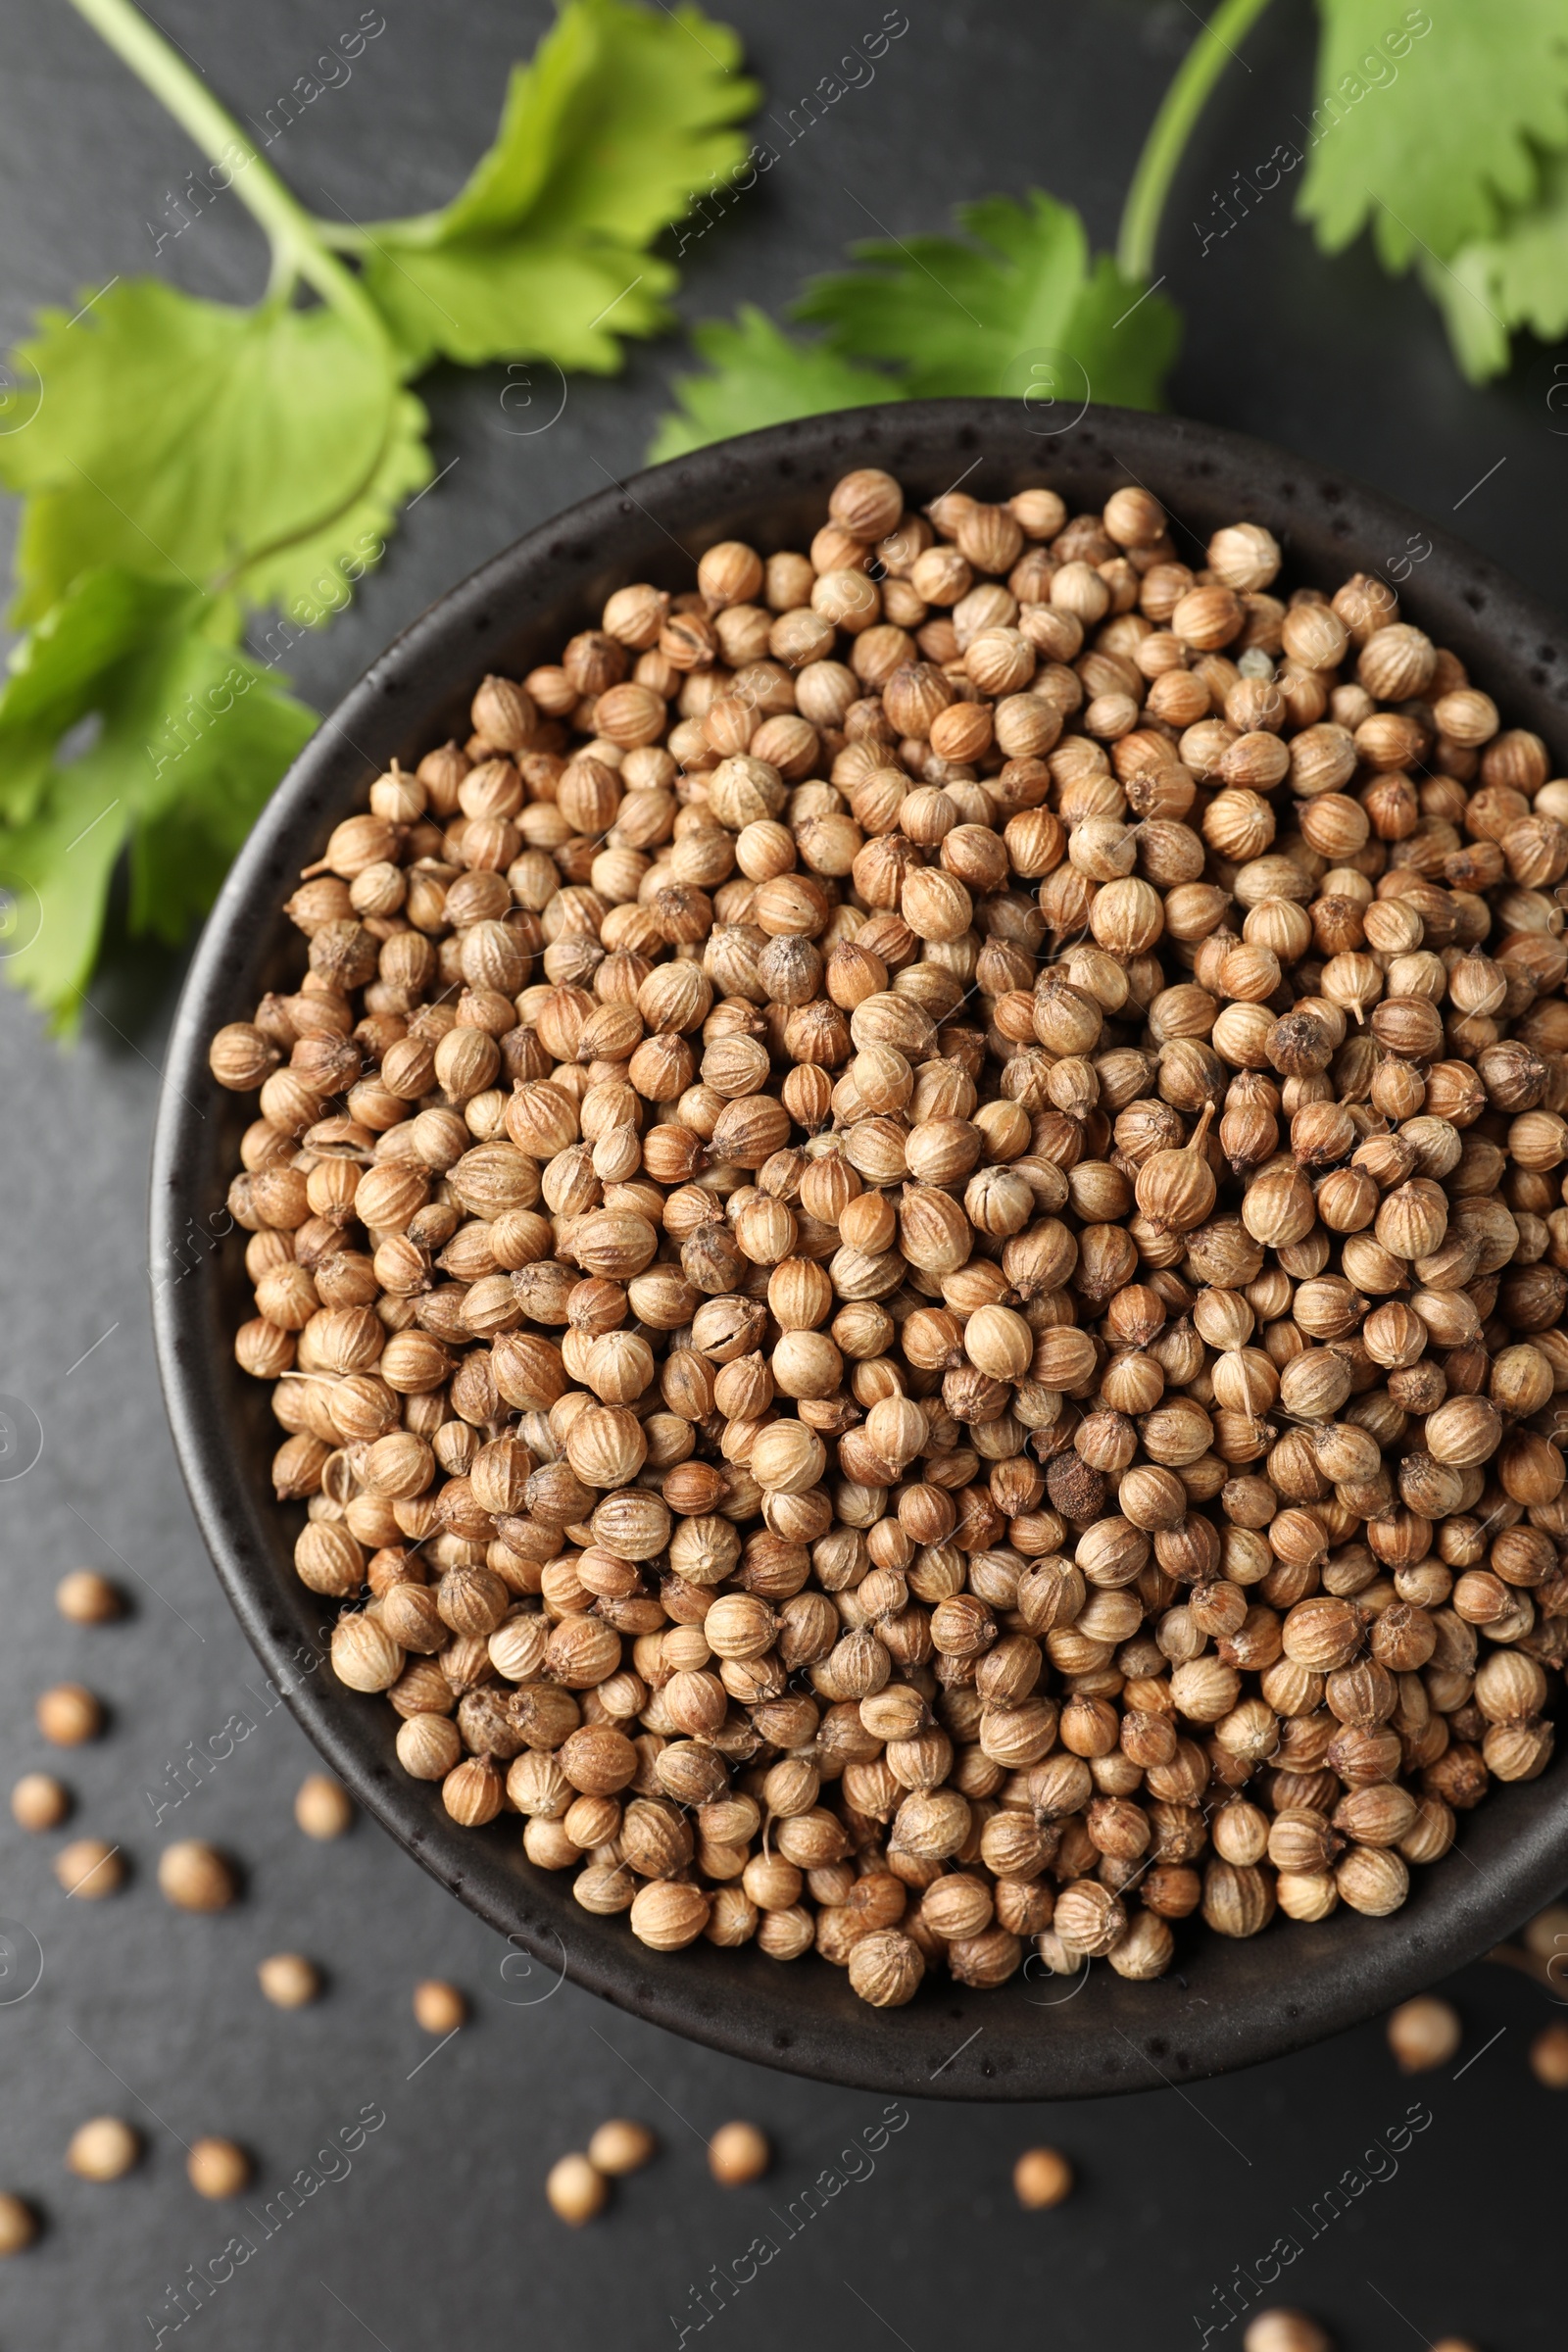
(104, 2149)
(90, 1868)
(18, 2223)
(1548, 2057)
(1424, 2033)
(738, 2153)
(69, 1714)
(217, 2168)
(1041, 2177)
(439, 2007)
(619, 2147)
(88, 1598)
(576, 2189)
(1284, 2331)
(324, 1807)
(40, 1801)
(289, 1980)
(195, 1877)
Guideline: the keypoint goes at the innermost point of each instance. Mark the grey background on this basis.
(440, 2227)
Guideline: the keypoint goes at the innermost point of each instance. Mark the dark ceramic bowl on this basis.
(1226, 2004)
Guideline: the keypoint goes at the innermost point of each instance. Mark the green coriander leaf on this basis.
(188, 737)
(309, 578)
(623, 114)
(965, 318)
(761, 376)
(1517, 278)
(186, 439)
(1429, 132)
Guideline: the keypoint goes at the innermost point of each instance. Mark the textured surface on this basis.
(440, 2226)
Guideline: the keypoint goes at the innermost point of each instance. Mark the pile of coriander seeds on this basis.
(907, 1230)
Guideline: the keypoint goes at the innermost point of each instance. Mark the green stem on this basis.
(297, 245)
(1170, 130)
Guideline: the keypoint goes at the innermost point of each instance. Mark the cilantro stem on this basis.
(298, 250)
(1170, 132)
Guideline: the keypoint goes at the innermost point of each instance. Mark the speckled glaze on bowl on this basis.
(1225, 2004)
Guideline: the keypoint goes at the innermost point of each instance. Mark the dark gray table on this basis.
(438, 2231)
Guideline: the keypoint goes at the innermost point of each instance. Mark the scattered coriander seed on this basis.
(324, 1807)
(103, 2149)
(88, 1598)
(576, 2189)
(40, 1801)
(621, 2146)
(217, 2168)
(18, 2223)
(1042, 2176)
(290, 1981)
(1424, 2033)
(196, 1877)
(738, 2153)
(1285, 2332)
(90, 1868)
(439, 2007)
(1547, 1935)
(69, 1714)
(1548, 2057)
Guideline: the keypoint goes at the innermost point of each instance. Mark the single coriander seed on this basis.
(1042, 2176)
(217, 2168)
(196, 1877)
(289, 1980)
(40, 1801)
(1548, 2057)
(621, 2146)
(18, 2223)
(576, 2189)
(439, 2007)
(738, 2153)
(1284, 2331)
(324, 1807)
(88, 1598)
(69, 1714)
(103, 2149)
(1424, 2033)
(90, 1868)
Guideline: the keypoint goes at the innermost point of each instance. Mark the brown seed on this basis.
(217, 2168)
(1284, 2331)
(576, 2189)
(738, 2153)
(69, 1714)
(620, 2146)
(1424, 2033)
(196, 1877)
(88, 1598)
(40, 1801)
(439, 2007)
(1042, 2176)
(102, 2150)
(18, 2223)
(90, 1868)
(324, 1807)
(289, 1980)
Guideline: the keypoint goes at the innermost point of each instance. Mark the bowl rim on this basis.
(1226, 2004)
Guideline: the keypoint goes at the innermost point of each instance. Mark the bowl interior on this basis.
(1226, 2004)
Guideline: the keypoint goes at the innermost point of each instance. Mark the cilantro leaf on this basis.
(186, 439)
(761, 376)
(619, 117)
(1515, 278)
(959, 318)
(189, 737)
(1431, 144)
